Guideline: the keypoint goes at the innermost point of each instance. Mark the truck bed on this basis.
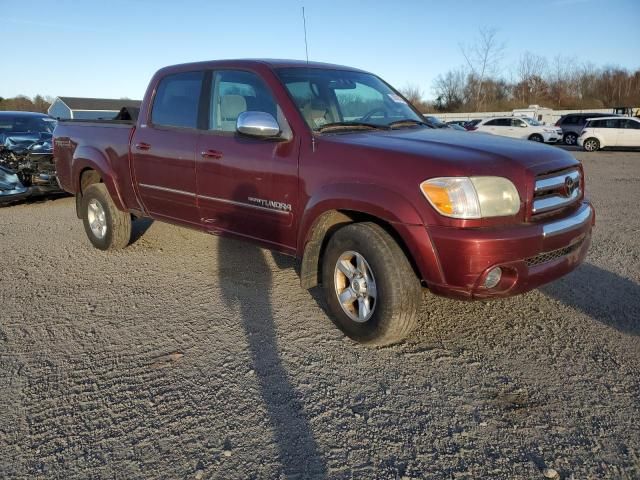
(76, 141)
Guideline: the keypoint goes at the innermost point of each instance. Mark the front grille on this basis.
(553, 254)
(555, 191)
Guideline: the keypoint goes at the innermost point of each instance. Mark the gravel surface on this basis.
(189, 356)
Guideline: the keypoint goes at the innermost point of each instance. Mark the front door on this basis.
(246, 186)
(163, 151)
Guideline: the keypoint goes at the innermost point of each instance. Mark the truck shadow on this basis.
(605, 296)
(246, 283)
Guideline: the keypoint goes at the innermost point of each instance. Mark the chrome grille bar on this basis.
(553, 183)
(554, 202)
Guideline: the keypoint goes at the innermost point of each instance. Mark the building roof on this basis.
(79, 103)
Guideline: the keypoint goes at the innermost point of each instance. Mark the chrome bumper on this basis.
(577, 220)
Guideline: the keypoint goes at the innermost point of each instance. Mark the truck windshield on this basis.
(327, 97)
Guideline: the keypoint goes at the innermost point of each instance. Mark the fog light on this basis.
(493, 277)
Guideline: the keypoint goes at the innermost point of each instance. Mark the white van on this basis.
(606, 132)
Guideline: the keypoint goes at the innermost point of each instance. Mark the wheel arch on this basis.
(91, 166)
(338, 205)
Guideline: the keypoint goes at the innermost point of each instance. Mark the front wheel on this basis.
(107, 227)
(536, 138)
(570, 138)
(591, 145)
(371, 290)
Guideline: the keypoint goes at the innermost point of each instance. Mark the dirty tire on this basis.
(591, 145)
(399, 294)
(118, 223)
(536, 138)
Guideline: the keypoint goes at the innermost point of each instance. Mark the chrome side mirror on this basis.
(257, 124)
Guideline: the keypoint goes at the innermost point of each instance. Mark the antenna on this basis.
(304, 23)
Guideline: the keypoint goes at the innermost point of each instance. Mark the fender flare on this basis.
(86, 157)
(333, 206)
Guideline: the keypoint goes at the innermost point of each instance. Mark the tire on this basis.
(396, 295)
(570, 138)
(107, 227)
(591, 145)
(536, 137)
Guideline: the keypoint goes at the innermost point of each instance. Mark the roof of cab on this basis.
(253, 62)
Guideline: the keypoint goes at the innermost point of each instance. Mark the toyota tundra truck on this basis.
(331, 165)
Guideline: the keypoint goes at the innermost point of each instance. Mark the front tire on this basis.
(536, 138)
(570, 138)
(371, 290)
(591, 145)
(107, 227)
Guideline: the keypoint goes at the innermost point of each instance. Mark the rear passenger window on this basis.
(633, 124)
(177, 99)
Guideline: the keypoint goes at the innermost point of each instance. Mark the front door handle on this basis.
(215, 154)
(143, 146)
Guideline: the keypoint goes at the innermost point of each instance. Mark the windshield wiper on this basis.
(351, 126)
(405, 122)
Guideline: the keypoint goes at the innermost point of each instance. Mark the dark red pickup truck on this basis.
(333, 166)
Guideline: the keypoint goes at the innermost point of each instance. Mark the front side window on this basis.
(234, 92)
(177, 99)
(327, 96)
(516, 122)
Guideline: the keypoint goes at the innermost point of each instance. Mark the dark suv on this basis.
(573, 123)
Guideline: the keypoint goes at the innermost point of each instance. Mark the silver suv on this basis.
(573, 123)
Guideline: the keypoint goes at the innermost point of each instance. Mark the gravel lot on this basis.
(188, 356)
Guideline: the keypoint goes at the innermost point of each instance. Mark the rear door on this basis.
(163, 150)
(246, 186)
(629, 135)
(497, 126)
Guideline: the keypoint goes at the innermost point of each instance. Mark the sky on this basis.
(112, 48)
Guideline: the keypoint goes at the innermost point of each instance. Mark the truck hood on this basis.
(467, 153)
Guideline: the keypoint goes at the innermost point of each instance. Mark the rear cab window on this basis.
(177, 100)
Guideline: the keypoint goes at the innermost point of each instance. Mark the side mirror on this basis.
(523, 125)
(257, 124)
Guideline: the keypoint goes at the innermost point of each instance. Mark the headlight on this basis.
(472, 197)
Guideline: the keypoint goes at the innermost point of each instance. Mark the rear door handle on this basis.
(215, 154)
(143, 146)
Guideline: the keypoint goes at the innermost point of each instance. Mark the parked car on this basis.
(435, 122)
(519, 127)
(331, 165)
(471, 124)
(573, 123)
(26, 156)
(610, 132)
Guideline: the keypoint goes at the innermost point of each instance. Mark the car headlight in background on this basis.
(472, 197)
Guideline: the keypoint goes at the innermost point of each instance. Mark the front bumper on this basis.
(529, 255)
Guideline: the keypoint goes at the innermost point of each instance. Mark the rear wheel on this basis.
(591, 145)
(536, 138)
(107, 227)
(570, 138)
(371, 291)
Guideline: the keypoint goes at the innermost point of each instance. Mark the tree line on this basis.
(482, 83)
(38, 103)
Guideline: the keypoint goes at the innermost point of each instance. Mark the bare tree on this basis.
(450, 90)
(483, 58)
(413, 93)
(530, 71)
